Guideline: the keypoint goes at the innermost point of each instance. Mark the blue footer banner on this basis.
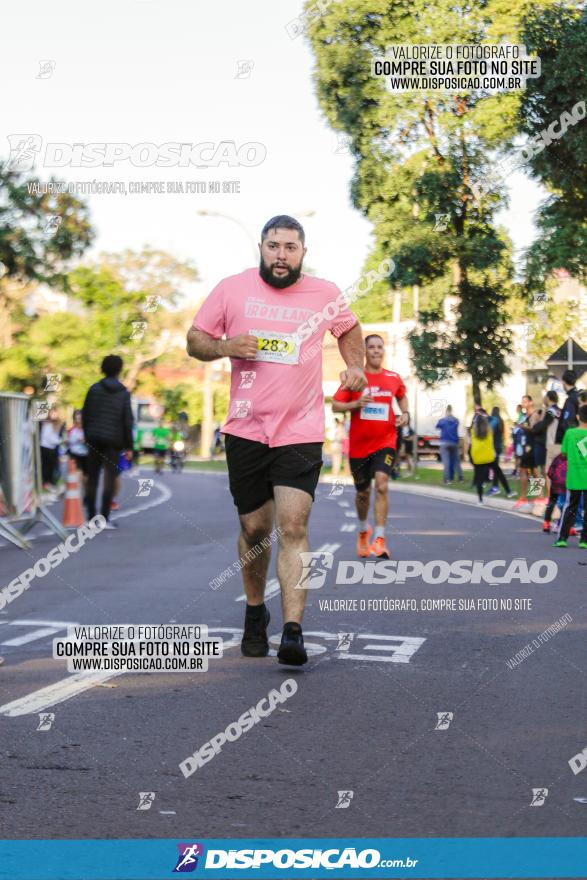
(531, 857)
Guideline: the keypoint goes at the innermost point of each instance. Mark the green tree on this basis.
(40, 234)
(53, 343)
(174, 401)
(133, 297)
(148, 318)
(559, 36)
(190, 399)
(113, 308)
(221, 403)
(152, 272)
(418, 155)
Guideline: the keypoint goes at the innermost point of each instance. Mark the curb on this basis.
(453, 495)
(436, 492)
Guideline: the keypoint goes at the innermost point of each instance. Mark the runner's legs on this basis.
(362, 499)
(255, 527)
(381, 498)
(523, 482)
(292, 511)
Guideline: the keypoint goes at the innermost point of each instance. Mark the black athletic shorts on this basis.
(255, 468)
(363, 469)
(539, 455)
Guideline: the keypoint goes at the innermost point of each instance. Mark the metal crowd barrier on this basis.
(21, 505)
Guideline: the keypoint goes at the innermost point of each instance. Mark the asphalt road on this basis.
(364, 716)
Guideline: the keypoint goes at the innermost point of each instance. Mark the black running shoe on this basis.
(291, 650)
(254, 642)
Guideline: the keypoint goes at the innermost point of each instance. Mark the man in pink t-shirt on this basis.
(271, 322)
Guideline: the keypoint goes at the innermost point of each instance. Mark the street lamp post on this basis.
(207, 412)
(416, 302)
(203, 213)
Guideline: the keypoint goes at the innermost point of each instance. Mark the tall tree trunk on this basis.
(459, 274)
(476, 391)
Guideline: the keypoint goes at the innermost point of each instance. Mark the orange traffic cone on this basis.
(73, 515)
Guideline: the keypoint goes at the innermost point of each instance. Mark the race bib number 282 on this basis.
(276, 348)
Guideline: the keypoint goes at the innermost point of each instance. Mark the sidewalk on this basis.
(445, 494)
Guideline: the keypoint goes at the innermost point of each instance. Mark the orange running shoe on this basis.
(380, 549)
(363, 547)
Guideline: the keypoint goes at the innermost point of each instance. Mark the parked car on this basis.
(429, 446)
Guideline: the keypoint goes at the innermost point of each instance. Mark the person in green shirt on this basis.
(574, 449)
(161, 441)
(175, 433)
(177, 448)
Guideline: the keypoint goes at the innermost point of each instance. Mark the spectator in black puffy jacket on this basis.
(568, 417)
(107, 423)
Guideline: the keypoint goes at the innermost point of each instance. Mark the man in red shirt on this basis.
(373, 441)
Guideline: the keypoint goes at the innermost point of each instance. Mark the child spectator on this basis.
(574, 448)
(557, 474)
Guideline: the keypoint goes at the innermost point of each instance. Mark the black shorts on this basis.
(255, 468)
(527, 459)
(159, 453)
(363, 469)
(539, 455)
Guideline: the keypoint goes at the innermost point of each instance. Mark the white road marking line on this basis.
(62, 624)
(347, 527)
(31, 636)
(166, 494)
(273, 588)
(44, 628)
(343, 504)
(395, 659)
(72, 685)
(352, 514)
(56, 693)
(400, 653)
